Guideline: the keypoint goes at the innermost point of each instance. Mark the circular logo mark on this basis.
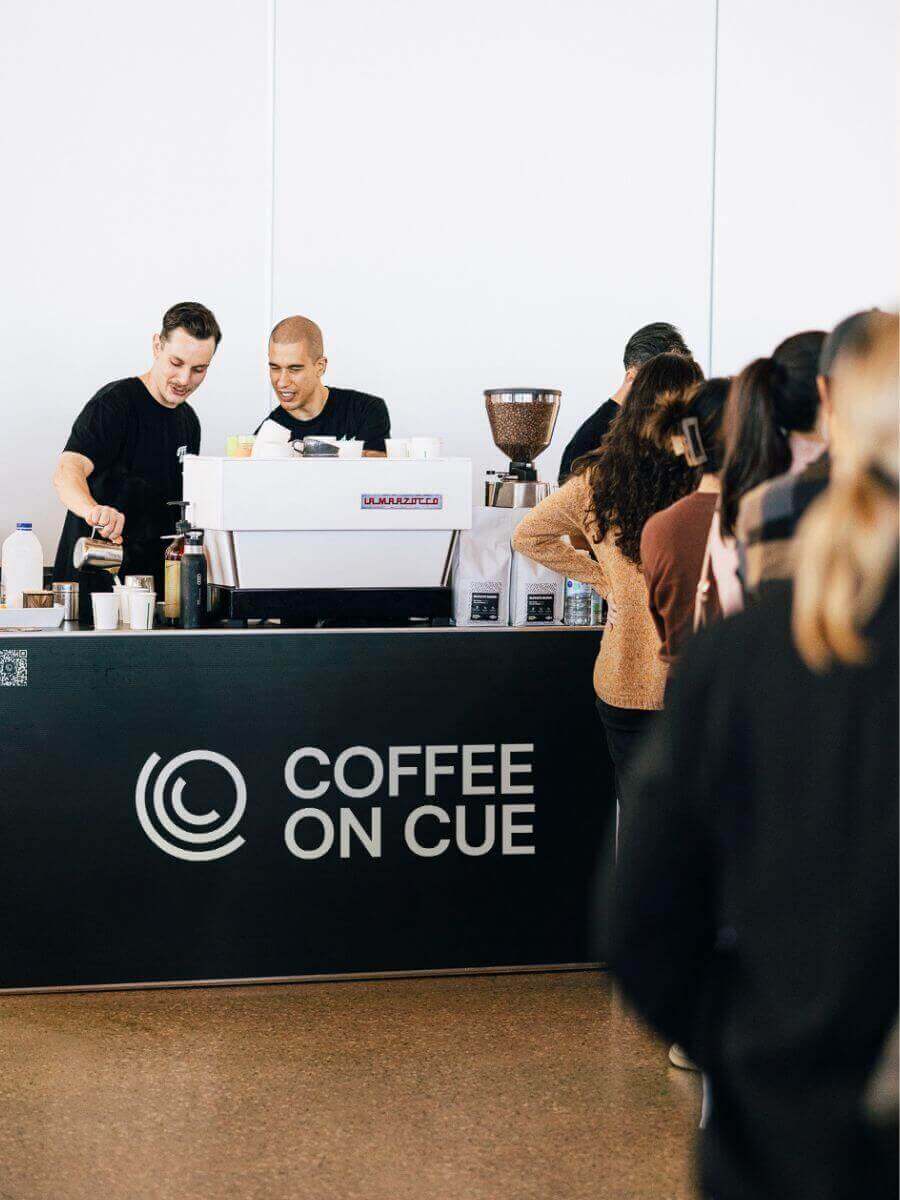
(186, 827)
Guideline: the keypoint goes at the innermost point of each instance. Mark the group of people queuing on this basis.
(745, 533)
(122, 463)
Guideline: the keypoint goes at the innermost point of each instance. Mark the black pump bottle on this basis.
(193, 581)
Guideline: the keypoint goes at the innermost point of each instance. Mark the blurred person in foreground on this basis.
(755, 912)
(768, 515)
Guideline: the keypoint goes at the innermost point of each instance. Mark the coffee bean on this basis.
(522, 422)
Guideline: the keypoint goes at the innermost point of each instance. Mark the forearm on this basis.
(546, 534)
(72, 488)
(657, 594)
(553, 551)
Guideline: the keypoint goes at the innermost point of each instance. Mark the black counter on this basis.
(226, 804)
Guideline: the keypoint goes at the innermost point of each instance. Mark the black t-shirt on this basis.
(347, 414)
(588, 437)
(136, 446)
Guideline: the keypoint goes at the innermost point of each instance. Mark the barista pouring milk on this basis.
(306, 406)
(123, 460)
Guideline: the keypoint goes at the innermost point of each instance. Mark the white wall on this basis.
(476, 195)
(464, 196)
(806, 185)
(135, 176)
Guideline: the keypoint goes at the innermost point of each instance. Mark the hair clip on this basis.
(692, 442)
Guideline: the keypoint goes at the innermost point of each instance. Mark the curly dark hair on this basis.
(635, 473)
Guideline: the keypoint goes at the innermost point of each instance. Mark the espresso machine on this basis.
(522, 421)
(366, 540)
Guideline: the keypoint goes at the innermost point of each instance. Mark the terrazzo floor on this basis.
(478, 1088)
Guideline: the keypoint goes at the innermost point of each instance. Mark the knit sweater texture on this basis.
(628, 672)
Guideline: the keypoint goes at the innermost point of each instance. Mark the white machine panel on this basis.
(382, 558)
(328, 493)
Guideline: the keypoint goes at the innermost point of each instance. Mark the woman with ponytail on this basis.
(756, 912)
(674, 540)
(769, 515)
(772, 425)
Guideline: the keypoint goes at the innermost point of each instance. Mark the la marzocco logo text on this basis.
(406, 775)
(372, 500)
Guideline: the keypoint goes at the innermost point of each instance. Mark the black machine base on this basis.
(525, 471)
(342, 606)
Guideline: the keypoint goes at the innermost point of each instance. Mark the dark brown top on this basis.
(672, 548)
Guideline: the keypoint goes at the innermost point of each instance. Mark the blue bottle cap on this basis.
(23, 524)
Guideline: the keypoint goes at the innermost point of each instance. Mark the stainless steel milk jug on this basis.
(97, 552)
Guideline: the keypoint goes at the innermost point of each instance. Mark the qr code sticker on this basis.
(13, 668)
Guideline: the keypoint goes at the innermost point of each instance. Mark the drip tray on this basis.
(332, 606)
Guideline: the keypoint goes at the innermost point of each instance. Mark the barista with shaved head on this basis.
(306, 406)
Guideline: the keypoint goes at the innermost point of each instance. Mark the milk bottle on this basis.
(23, 565)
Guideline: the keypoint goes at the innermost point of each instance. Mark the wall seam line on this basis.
(712, 222)
(269, 284)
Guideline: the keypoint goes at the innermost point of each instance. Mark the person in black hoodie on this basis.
(755, 902)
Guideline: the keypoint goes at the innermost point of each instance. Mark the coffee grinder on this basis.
(522, 421)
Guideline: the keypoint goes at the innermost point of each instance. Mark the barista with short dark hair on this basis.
(122, 463)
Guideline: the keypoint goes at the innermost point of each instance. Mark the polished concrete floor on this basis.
(499, 1087)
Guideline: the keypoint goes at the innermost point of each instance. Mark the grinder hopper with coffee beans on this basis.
(522, 421)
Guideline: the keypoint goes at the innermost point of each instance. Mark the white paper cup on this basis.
(424, 447)
(397, 447)
(125, 595)
(350, 449)
(106, 610)
(143, 607)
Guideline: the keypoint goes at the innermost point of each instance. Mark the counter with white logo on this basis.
(223, 805)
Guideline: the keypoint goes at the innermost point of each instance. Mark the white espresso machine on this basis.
(348, 539)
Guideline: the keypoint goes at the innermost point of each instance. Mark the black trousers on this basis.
(625, 729)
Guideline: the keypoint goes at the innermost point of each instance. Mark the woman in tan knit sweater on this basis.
(613, 492)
